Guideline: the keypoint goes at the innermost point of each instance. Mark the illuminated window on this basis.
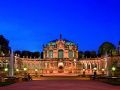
(60, 54)
(50, 54)
(70, 54)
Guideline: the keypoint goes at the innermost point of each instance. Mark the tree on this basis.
(80, 54)
(18, 52)
(36, 54)
(87, 54)
(93, 54)
(26, 54)
(107, 47)
(4, 46)
(41, 55)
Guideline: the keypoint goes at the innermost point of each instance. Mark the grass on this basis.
(5, 83)
(113, 82)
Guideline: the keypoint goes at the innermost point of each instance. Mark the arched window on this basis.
(50, 53)
(70, 54)
(88, 66)
(95, 65)
(60, 54)
(45, 54)
(83, 66)
(92, 65)
(74, 54)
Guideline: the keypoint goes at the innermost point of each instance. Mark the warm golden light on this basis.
(25, 69)
(83, 70)
(36, 70)
(17, 70)
(95, 68)
(103, 69)
(113, 68)
(6, 69)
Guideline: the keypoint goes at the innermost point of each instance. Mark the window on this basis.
(50, 54)
(74, 54)
(60, 54)
(70, 54)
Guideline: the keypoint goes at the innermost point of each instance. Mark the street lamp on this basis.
(113, 68)
(25, 73)
(95, 68)
(36, 72)
(25, 69)
(6, 69)
(103, 70)
(17, 70)
(83, 72)
(95, 74)
(113, 71)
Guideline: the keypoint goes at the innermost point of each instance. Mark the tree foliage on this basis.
(107, 47)
(27, 54)
(4, 46)
(80, 54)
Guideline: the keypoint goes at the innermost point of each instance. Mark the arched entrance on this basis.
(60, 53)
(60, 67)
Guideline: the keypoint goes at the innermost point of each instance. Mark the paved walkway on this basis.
(60, 85)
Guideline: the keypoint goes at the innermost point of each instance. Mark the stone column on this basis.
(90, 65)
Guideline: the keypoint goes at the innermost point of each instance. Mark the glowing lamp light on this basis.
(25, 69)
(113, 68)
(95, 68)
(83, 70)
(103, 69)
(17, 70)
(6, 69)
(36, 70)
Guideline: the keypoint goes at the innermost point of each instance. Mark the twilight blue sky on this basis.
(28, 24)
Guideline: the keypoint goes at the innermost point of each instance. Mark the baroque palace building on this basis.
(61, 49)
(60, 57)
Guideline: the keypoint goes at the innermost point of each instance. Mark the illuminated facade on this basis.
(61, 58)
(61, 49)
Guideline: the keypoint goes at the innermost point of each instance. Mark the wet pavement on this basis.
(60, 85)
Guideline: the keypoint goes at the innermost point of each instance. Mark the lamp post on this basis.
(83, 72)
(113, 71)
(6, 71)
(95, 69)
(103, 71)
(25, 71)
(36, 72)
(17, 72)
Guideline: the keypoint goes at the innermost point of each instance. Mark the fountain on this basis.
(11, 77)
(106, 64)
(11, 65)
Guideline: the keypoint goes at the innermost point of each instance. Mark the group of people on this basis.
(29, 77)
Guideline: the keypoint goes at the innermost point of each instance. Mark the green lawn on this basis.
(5, 83)
(113, 82)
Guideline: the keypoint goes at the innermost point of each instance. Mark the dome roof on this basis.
(67, 42)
